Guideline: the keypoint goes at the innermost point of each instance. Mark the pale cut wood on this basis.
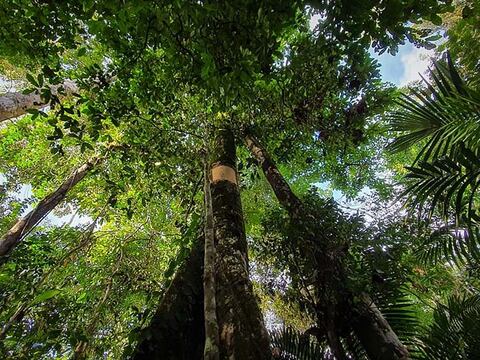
(14, 104)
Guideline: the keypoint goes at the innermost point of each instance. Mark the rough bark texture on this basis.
(375, 334)
(47, 204)
(177, 329)
(242, 331)
(16, 104)
(280, 187)
(211, 351)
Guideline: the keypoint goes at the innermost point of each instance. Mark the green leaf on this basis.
(4, 278)
(46, 295)
(81, 51)
(87, 5)
(82, 298)
(32, 111)
(28, 91)
(436, 20)
(40, 80)
(434, 37)
(32, 80)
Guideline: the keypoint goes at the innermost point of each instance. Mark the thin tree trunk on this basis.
(211, 351)
(176, 331)
(16, 233)
(242, 331)
(280, 187)
(375, 334)
(15, 104)
(15, 318)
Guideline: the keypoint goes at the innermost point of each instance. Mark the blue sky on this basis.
(405, 66)
(402, 68)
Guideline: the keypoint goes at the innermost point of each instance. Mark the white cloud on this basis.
(414, 63)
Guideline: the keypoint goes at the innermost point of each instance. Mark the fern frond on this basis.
(452, 244)
(401, 314)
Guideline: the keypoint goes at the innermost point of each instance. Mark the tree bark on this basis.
(280, 187)
(177, 329)
(375, 334)
(211, 351)
(16, 104)
(242, 331)
(16, 233)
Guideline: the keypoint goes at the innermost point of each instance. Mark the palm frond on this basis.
(452, 244)
(446, 183)
(445, 113)
(289, 344)
(400, 312)
(455, 331)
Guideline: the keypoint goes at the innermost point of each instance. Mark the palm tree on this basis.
(443, 118)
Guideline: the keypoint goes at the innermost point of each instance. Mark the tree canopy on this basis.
(145, 129)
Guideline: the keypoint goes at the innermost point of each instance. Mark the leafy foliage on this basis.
(463, 39)
(455, 332)
(288, 344)
(446, 174)
(154, 80)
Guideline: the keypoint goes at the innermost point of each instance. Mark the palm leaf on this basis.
(455, 331)
(446, 184)
(399, 310)
(445, 113)
(289, 344)
(449, 244)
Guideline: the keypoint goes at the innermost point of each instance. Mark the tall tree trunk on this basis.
(211, 350)
(16, 233)
(242, 331)
(376, 335)
(177, 328)
(16, 104)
